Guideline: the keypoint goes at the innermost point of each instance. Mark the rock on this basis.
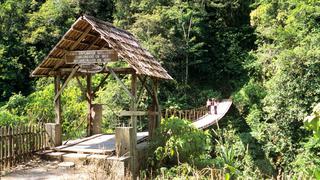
(3, 173)
(66, 165)
(52, 166)
(79, 159)
(54, 156)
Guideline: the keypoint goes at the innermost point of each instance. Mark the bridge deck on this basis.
(97, 144)
(210, 119)
(105, 144)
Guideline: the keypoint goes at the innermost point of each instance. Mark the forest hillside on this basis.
(263, 54)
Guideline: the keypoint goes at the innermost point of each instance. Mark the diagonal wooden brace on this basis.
(121, 83)
(74, 70)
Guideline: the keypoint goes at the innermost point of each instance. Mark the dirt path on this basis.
(39, 170)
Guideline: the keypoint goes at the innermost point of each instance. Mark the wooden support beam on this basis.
(150, 91)
(69, 39)
(81, 31)
(38, 75)
(155, 93)
(101, 83)
(105, 70)
(55, 59)
(119, 70)
(133, 122)
(154, 109)
(83, 43)
(57, 101)
(59, 63)
(121, 83)
(65, 83)
(143, 83)
(80, 84)
(133, 113)
(83, 90)
(44, 68)
(59, 48)
(94, 42)
(84, 34)
(90, 98)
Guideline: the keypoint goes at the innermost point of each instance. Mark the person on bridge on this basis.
(209, 103)
(214, 105)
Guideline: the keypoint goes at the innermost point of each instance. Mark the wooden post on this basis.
(89, 95)
(123, 137)
(154, 119)
(158, 108)
(133, 123)
(57, 102)
(58, 111)
(97, 118)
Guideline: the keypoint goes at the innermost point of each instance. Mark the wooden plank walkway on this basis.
(97, 144)
(210, 119)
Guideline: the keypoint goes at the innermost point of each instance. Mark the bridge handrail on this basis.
(189, 114)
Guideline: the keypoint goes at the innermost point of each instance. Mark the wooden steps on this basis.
(87, 151)
(77, 158)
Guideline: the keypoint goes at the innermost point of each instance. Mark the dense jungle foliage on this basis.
(264, 54)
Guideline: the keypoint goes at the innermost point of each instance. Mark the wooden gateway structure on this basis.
(86, 49)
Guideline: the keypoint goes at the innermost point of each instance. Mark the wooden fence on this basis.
(190, 114)
(18, 143)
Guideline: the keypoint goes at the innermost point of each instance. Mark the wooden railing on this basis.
(18, 143)
(190, 114)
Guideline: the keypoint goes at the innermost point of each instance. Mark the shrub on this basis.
(177, 141)
(307, 162)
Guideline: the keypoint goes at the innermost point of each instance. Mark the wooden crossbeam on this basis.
(81, 31)
(84, 43)
(65, 83)
(105, 70)
(66, 71)
(69, 39)
(136, 113)
(133, 113)
(56, 59)
(59, 63)
(59, 48)
(44, 68)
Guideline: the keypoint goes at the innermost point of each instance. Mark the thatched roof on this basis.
(89, 33)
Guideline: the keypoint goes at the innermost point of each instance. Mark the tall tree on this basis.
(201, 43)
(14, 68)
(288, 64)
